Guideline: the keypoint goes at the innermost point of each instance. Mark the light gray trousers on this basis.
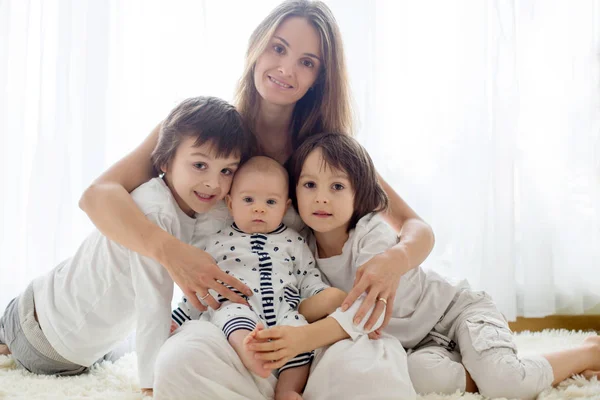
(474, 336)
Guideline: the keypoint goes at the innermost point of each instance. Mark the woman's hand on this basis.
(379, 278)
(195, 271)
(277, 345)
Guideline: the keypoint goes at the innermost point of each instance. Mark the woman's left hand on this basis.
(379, 278)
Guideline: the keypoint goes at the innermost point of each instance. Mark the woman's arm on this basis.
(381, 275)
(110, 207)
(416, 236)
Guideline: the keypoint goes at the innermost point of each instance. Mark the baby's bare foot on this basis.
(252, 363)
(4, 351)
(592, 340)
(290, 395)
(239, 341)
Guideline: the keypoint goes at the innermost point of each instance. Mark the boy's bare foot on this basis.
(289, 395)
(589, 374)
(239, 340)
(594, 344)
(4, 351)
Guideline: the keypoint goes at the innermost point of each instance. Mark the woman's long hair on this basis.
(324, 108)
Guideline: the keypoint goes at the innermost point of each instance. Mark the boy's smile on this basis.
(197, 177)
(204, 197)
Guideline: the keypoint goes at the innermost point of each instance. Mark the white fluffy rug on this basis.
(119, 381)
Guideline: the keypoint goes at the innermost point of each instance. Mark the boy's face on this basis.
(325, 196)
(197, 178)
(258, 201)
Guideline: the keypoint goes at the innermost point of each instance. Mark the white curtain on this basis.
(483, 115)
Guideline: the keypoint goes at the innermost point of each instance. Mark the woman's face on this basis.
(290, 64)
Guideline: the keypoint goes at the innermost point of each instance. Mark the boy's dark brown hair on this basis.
(208, 119)
(342, 152)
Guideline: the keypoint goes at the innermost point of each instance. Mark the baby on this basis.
(275, 262)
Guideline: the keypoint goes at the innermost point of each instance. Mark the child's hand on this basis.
(251, 337)
(376, 334)
(173, 326)
(277, 345)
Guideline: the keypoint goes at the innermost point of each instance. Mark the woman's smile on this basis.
(280, 83)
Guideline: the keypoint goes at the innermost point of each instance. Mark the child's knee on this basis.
(4, 351)
(490, 354)
(506, 375)
(432, 372)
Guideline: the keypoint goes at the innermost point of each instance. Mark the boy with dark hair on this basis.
(78, 312)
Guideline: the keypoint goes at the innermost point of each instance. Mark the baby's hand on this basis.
(173, 326)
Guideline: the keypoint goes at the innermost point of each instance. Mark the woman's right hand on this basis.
(195, 271)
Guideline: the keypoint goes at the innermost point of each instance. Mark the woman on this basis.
(294, 85)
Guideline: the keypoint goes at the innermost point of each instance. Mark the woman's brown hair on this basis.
(324, 108)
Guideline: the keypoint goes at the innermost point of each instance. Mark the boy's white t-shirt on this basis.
(93, 300)
(422, 296)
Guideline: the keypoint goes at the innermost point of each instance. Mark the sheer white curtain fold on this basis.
(483, 115)
(488, 123)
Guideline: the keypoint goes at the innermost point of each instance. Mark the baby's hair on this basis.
(264, 165)
(208, 119)
(343, 153)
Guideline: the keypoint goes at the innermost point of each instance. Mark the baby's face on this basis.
(258, 201)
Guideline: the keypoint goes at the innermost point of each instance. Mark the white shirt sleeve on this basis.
(185, 311)
(346, 319)
(153, 290)
(310, 278)
(373, 236)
